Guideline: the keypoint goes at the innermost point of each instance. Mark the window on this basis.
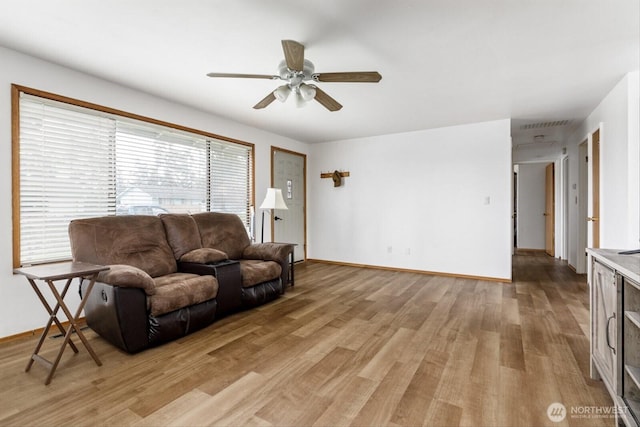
(76, 160)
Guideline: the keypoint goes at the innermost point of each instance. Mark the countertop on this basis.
(627, 265)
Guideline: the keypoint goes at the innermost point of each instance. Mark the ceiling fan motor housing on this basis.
(295, 77)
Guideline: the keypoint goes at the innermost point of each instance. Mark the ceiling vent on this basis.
(543, 125)
(526, 145)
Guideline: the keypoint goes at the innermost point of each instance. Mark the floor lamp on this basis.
(273, 200)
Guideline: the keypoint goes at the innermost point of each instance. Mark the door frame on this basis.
(550, 209)
(564, 210)
(594, 205)
(585, 196)
(583, 206)
(274, 150)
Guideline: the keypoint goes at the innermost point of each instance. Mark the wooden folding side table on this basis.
(50, 273)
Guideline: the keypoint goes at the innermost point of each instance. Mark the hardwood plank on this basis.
(443, 414)
(216, 406)
(383, 402)
(457, 372)
(513, 402)
(412, 407)
(387, 356)
(347, 403)
(167, 415)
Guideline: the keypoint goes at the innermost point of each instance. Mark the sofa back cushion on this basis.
(222, 231)
(137, 240)
(182, 233)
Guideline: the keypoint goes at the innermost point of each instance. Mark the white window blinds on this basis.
(229, 180)
(79, 162)
(160, 170)
(66, 172)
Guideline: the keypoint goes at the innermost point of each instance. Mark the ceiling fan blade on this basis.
(265, 101)
(244, 76)
(293, 54)
(328, 102)
(350, 77)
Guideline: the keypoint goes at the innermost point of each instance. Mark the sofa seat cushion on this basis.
(254, 272)
(177, 290)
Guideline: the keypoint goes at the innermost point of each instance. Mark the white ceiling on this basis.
(443, 62)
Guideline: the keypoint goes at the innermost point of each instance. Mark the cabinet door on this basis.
(604, 328)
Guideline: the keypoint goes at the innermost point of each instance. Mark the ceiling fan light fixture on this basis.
(282, 93)
(300, 101)
(295, 71)
(307, 93)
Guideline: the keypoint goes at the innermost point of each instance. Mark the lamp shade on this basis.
(273, 200)
(307, 92)
(282, 93)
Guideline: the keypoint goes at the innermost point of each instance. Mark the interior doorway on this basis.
(288, 172)
(583, 197)
(549, 210)
(529, 213)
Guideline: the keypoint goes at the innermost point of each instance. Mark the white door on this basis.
(289, 175)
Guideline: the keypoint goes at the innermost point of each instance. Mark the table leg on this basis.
(57, 307)
(293, 282)
(73, 327)
(52, 318)
(92, 281)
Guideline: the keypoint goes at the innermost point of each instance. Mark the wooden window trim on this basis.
(15, 147)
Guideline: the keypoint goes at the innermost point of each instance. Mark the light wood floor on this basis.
(347, 346)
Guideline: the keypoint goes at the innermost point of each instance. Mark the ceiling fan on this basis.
(295, 70)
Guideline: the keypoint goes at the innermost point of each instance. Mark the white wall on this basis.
(617, 118)
(531, 206)
(19, 308)
(435, 200)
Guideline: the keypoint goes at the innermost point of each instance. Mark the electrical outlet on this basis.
(389, 249)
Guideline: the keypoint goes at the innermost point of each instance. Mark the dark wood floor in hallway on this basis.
(347, 346)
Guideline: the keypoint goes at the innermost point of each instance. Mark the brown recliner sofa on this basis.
(150, 295)
(205, 243)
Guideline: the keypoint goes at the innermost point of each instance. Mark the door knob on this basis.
(590, 218)
(277, 218)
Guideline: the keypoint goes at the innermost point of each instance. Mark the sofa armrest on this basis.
(204, 256)
(278, 252)
(268, 251)
(127, 276)
(118, 314)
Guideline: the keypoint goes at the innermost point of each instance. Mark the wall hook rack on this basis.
(336, 176)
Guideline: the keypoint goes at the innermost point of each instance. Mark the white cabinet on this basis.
(631, 345)
(603, 323)
(614, 293)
